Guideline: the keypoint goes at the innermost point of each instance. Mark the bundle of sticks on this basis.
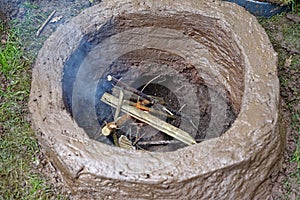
(142, 111)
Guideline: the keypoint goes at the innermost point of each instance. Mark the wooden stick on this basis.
(138, 138)
(135, 97)
(111, 126)
(148, 97)
(45, 23)
(151, 120)
(118, 109)
(131, 89)
(162, 142)
(139, 93)
(156, 77)
(150, 110)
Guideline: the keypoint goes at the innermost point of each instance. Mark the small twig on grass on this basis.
(45, 23)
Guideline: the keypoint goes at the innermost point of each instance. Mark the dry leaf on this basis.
(125, 143)
(56, 19)
(288, 61)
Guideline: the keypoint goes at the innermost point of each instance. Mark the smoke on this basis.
(125, 56)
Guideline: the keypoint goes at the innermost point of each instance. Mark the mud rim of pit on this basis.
(229, 50)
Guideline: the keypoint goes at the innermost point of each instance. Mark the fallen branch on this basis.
(151, 120)
(45, 23)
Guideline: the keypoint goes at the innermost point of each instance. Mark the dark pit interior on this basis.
(207, 94)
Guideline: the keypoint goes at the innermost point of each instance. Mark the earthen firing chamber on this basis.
(227, 49)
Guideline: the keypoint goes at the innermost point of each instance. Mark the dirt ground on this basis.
(27, 16)
(280, 29)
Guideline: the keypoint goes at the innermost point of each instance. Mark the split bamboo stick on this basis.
(150, 119)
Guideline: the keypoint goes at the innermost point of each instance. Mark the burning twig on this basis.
(140, 106)
(45, 23)
(151, 120)
(133, 90)
(135, 98)
(153, 100)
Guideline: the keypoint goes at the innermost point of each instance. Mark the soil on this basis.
(17, 9)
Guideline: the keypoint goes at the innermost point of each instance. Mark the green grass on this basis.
(31, 5)
(19, 178)
(28, 25)
(18, 147)
(295, 4)
(19, 150)
(296, 156)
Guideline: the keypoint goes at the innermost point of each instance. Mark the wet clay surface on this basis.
(235, 57)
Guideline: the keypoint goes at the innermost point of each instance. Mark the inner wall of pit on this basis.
(237, 55)
(163, 45)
